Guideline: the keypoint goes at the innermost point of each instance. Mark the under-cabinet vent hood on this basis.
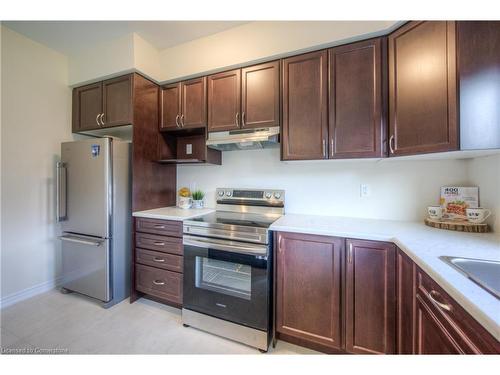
(244, 139)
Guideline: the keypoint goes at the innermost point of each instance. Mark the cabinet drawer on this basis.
(470, 336)
(163, 227)
(159, 283)
(165, 244)
(161, 260)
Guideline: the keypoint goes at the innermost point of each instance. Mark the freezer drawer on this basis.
(86, 266)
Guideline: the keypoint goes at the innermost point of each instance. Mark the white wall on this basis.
(36, 107)
(400, 190)
(101, 61)
(250, 42)
(260, 40)
(485, 173)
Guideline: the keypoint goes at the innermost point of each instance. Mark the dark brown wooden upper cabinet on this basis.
(308, 287)
(260, 95)
(305, 118)
(87, 107)
(194, 103)
(224, 107)
(117, 101)
(357, 104)
(370, 297)
(478, 66)
(422, 88)
(170, 107)
(103, 104)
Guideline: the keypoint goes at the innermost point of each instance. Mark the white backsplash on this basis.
(398, 189)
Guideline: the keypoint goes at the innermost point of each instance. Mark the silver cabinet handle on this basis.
(102, 119)
(97, 119)
(349, 254)
(391, 141)
(243, 119)
(158, 282)
(331, 147)
(182, 120)
(61, 212)
(432, 296)
(324, 147)
(159, 243)
(80, 240)
(159, 226)
(159, 260)
(237, 119)
(177, 121)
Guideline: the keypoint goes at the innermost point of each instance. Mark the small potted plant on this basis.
(197, 196)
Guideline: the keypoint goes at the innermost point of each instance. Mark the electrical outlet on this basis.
(364, 190)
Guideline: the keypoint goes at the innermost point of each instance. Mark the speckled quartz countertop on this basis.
(172, 213)
(424, 245)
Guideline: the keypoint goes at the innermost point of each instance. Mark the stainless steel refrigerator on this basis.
(94, 209)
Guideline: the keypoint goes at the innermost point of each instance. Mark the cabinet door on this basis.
(405, 302)
(422, 88)
(308, 288)
(356, 101)
(87, 106)
(194, 103)
(170, 107)
(260, 95)
(305, 121)
(117, 101)
(430, 335)
(370, 304)
(224, 91)
(479, 66)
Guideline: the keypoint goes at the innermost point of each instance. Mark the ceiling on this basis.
(68, 37)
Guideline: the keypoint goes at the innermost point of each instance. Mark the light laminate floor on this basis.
(77, 325)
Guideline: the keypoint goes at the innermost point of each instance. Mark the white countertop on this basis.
(423, 245)
(172, 213)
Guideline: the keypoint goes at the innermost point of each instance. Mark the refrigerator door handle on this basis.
(81, 240)
(61, 211)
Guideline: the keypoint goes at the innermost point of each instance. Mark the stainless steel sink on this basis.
(485, 273)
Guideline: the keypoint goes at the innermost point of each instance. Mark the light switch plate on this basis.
(364, 190)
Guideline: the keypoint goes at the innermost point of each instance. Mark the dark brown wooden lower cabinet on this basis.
(308, 289)
(370, 297)
(405, 269)
(430, 335)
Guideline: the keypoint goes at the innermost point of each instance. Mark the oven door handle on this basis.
(230, 246)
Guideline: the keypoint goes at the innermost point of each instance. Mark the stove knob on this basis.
(228, 193)
(221, 193)
(268, 195)
(277, 195)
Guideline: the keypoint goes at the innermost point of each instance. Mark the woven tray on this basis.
(460, 226)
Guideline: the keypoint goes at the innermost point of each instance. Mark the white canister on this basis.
(185, 202)
(435, 212)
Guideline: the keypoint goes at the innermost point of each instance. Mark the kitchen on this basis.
(331, 193)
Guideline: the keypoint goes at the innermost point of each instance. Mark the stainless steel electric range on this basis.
(228, 266)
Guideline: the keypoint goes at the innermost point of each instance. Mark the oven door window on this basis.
(232, 279)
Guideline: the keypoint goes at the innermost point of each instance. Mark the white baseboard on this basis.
(22, 295)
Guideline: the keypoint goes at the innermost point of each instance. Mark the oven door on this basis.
(228, 280)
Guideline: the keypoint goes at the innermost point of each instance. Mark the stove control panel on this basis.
(235, 195)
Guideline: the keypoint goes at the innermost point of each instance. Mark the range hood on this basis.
(244, 139)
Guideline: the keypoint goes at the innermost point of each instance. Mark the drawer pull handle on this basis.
(432, 296)
(159, 260)
(158, 282)
(159, 226)
(159, 243)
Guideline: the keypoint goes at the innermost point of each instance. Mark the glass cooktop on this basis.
(236, 218)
